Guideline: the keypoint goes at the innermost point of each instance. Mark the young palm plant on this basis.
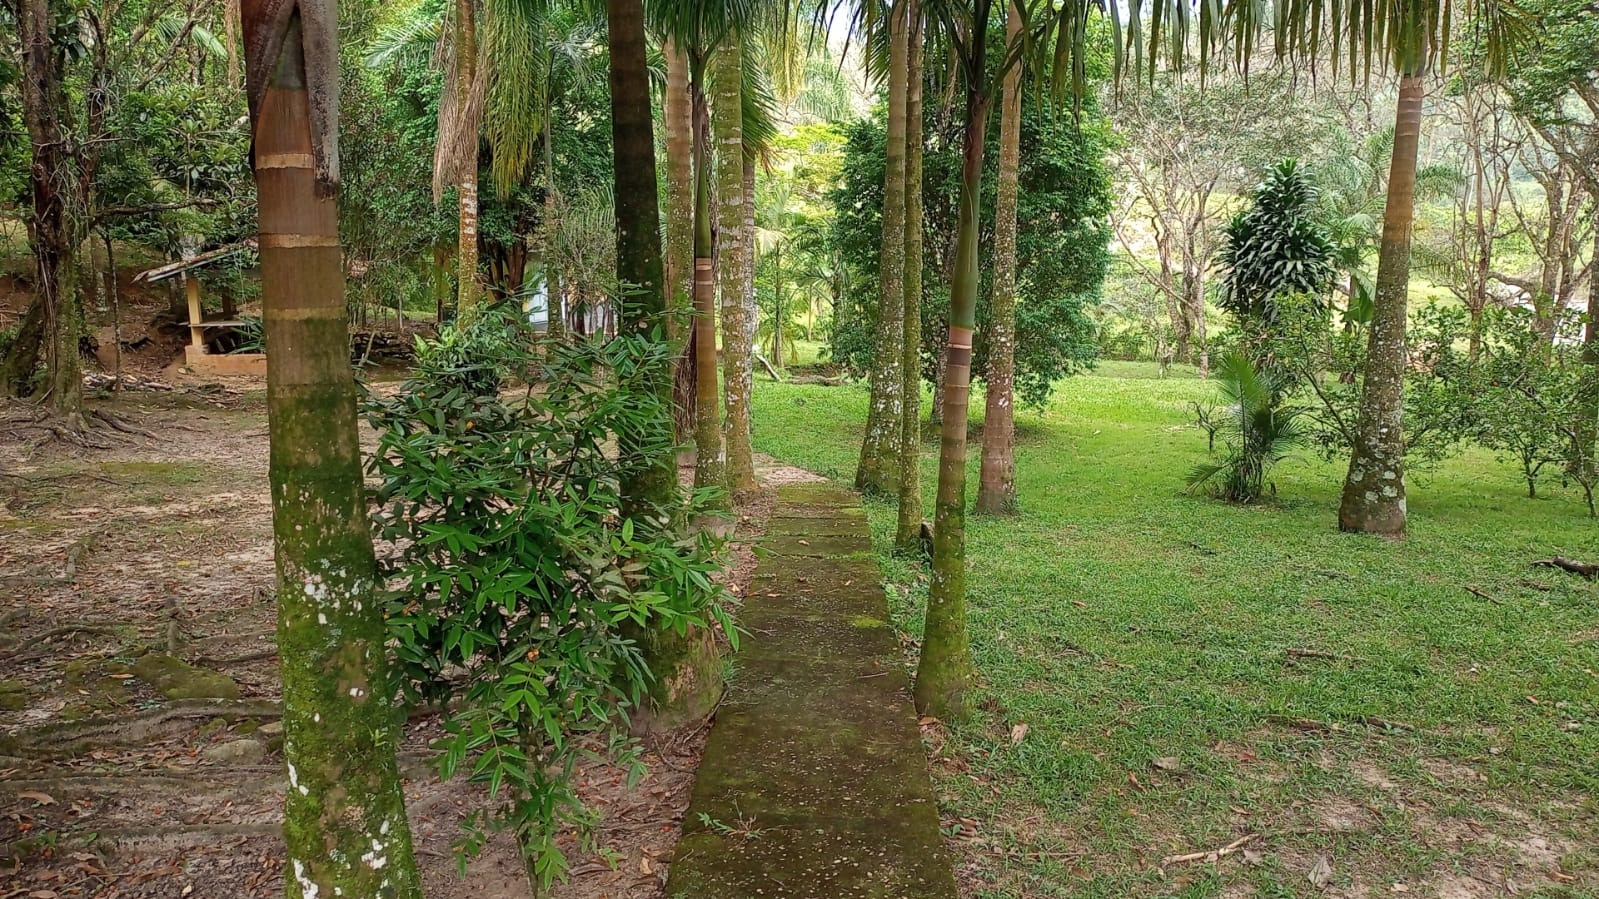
(1260, 432)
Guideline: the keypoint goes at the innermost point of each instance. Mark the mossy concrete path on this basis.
(814, 783)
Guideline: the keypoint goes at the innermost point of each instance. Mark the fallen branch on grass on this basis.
(1481, 595)
(1294, 652)
(1210, 855)
(1588, 570)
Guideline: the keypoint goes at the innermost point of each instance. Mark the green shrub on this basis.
(512, 573)
(1258, 428)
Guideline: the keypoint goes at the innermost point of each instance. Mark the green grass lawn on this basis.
(1192, 672)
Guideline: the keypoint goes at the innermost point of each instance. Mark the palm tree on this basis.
(996, 485)
(680, 227)
(908, 526)
(344, 806)
(460, 121)
(733, 262)
(687, 674)
(878, 469)
(699, 28)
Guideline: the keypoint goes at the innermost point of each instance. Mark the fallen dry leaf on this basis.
(1168, 763)
(37, 797)
(1018, 733)
(1320, 873)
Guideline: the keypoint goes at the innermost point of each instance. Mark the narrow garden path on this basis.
(814, 782)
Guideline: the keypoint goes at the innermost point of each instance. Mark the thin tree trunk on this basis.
(552, 229)
(751, 251)
(732, 257)
(115, 298)
(878, 470)
(996, 486)
(710, 460)
(908, 526)
(944, 670)
(344, 816)
(777, 307)
(1585, 432)
(680, 233)
(1374, 492)
(52, 228)
(687, 674)
(468, 292)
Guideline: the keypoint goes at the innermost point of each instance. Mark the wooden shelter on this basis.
(197, 356)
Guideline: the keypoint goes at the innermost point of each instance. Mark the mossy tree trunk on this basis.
(908, 527)
(54, 229)
(732, 257)
(687, 674)
(680, 229)
(344, 816)
(710, 459)
(468, 292)
(878, 470)
(996, 485)
(944, 671)
(1374, 491)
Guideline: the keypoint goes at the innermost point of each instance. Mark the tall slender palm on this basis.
(908, 527)
(344, 806)
(680, 227)
(733, 262)
(460, 121)
(700, 28)
(878, 469)
(687, 676)
(996, 484)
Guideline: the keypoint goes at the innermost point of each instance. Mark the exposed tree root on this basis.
(141, 839)
(142, 784)
(75, 556)
(1588, 570)
(67, 737)
(117, 424)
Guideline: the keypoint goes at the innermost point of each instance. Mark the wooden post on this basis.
(191, 286)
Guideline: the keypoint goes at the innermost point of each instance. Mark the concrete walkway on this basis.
(814, 783)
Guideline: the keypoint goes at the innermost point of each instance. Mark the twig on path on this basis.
(1588, 570)
(1210, 855)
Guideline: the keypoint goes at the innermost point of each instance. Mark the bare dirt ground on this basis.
(161, 547)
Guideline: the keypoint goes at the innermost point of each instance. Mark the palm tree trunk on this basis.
(687, 674)
(344, 814)
(996, 485)
(680, 231)
(878, 470)
(944, 670)
(908, 526)
(554, 326)
(53, 226)
(1374, 492)
(467, 289)
(710, 461)
(732, 257)
(751, 312)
